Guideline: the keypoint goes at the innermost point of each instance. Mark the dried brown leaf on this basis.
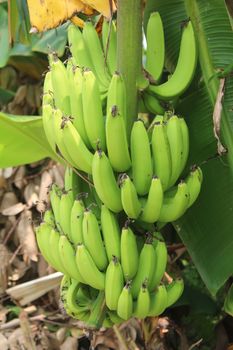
(69, 344)
(14, 209)
(57, 173)
(217, 115)
(8, 172)
(31, 194)
(19, 179)
(8, 200)
(27, 237)
(3, 342)
(46, 181)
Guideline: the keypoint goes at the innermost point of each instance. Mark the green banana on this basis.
(129, 198)
(58, 124)
(95, 51)
(152, 207)
(147, 261)
(71, 299)
(125, 303)
(114, 283)
(49, 218)
(72, 182)
(174, 291)
(175, 203)
(185, 68)
(129, 253)
(67, 256)
(76, 103)
(60, 84)
(141, 158)
(76, 148)
(151, 103)
(155, 53)
(142, 305)
(47, 110)
(109, 40)
(78, 48)
(161, 153)
(53, 244)
(111, 233)
(114, 317)
(161, 263)
(76, 222)
(92, 111)
(93, 240)
(158, 301)
(175, 141)
(185, 142)
(105, 182)
(42, 236)
(194, 181)
(66, 203)
(55, 197)
(116, 134)
(88, 269)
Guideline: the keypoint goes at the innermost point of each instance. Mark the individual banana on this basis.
(47, 110)
(76, 148)
(95, 51)
(155, 53)
(67, 256)
(78, 48)
(109, 40)
(194, 181)
(185, 68)
(174, 291)
(66, 203)
(125, 303)
(71, 300)
(114, 317)
(93, 240)
(175, 140)
(158, 301)
(49, 218)
(142, 305)
(141, 158)
(152, 207)
(114, 283)
(72, 182)
(55, 197)
(58, 124)
(175, 203)
(129, 253)
(160, 265)
(88, 269)
(185, 142)
(53, 244)
(147, 261)
(111, 233)
(76, 222)
(116, 134)
(129, 198)
(105, 182)
(152, 104)
(161, 153)
(60, 84)
(76, 103)
(42, 236)
(92, 111)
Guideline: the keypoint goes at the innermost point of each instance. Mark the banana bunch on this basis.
(183, 74)
(103, 263)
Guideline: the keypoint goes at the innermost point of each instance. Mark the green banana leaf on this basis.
(22, 140)
(206, 229)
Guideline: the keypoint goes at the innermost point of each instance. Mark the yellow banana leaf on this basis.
(50, 14)
(103, 6)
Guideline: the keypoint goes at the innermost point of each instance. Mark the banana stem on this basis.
(129, 51)
(98, 311)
